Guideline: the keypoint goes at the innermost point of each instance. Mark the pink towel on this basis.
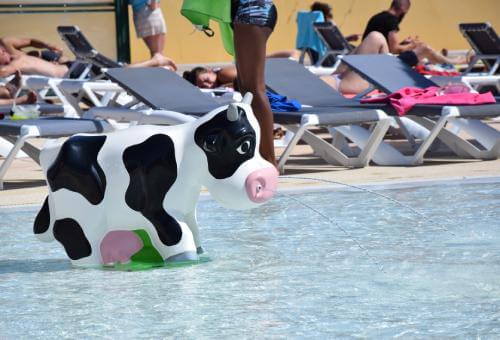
(404, 99)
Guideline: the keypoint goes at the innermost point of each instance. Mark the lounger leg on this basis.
(448, 112)
(10, 158)
(373, 142)
(90, 94)
(30, 150)
(298, 132)
(70, 107)
(325, 150)
(486, 135)
(339, 141)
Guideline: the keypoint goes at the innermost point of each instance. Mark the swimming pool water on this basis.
(280, 271)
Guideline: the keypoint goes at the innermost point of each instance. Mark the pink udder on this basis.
(119, 246)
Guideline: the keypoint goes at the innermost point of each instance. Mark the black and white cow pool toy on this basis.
(131, 195)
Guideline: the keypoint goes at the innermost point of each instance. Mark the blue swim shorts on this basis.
(255, 12)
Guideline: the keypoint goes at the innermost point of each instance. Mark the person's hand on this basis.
(171, 64)
(407, 41)
(353, 37)
(154, 4)
(56, 49)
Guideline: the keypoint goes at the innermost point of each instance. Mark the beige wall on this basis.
(435, 21)
(98, 27)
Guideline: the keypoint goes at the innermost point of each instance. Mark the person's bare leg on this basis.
(423, 50)
(250, 51)
(330, 80)
(9, 90)
(155, 43)
(32, 65)
(158, 60)
(4, 93)
(353, 83)
(30, 98)
(374, 43)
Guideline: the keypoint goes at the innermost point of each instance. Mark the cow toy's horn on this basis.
(232, 113)
(247, 99)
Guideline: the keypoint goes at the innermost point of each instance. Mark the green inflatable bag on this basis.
(200, 12)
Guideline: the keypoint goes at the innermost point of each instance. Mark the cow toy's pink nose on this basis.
(261, 184)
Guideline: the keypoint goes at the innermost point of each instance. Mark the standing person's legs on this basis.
(250, 49)
(155, 43)
(150, 26)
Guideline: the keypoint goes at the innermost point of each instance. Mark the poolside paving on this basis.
(25, 185)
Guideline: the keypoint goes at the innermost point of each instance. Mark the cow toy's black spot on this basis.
(76, 168)
(153, 170)
(227, 144)
(70, 234)
(42, 220)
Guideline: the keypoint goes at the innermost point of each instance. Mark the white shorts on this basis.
(149, 22)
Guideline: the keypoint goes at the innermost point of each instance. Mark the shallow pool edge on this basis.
(322, 185)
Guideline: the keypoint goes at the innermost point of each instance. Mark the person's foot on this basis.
(14, 85)
(29, 98)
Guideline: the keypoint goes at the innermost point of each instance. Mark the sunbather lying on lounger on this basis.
(13, 57)
(349, 82)
(9, 92)
(211, 78)
(327, 11)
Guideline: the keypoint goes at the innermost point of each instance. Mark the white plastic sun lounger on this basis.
(389, 74)
(19, 131)
(164, 91)
(486, 44)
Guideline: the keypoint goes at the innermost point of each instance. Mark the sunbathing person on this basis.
(387, 23)
(349, 82)
(9, 93)
(211, 78)
(326, 9)
(13, 58)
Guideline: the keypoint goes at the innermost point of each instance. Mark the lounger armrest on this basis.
(160, 117)
(473, 111)
(115, 113)
(336, 119)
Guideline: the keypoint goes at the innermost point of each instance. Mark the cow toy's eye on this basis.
(210, 144)
(244, 147)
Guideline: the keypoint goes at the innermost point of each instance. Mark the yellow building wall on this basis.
(434, 21)
(99, 27)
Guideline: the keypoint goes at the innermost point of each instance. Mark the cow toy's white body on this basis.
(130, 181)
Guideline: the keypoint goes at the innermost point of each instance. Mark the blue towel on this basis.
(306, 35)
(279, 103)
